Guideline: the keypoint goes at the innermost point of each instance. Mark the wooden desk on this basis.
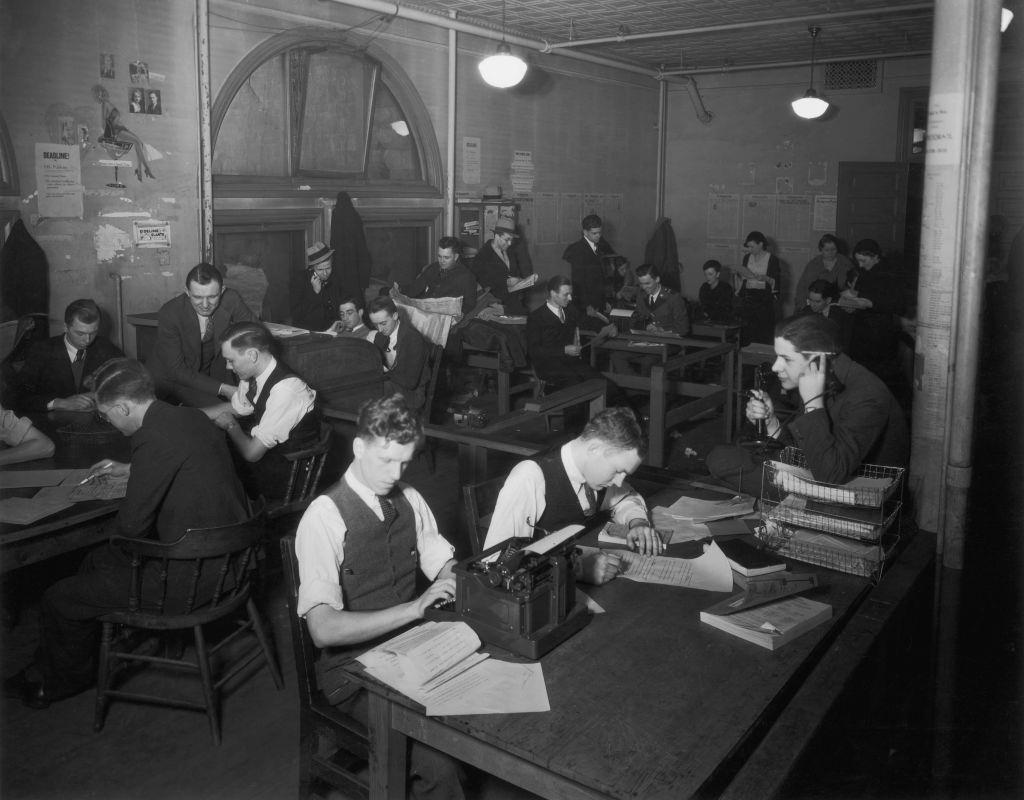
(716, 330)
(665, 384)
(648, 703)
(81, 525)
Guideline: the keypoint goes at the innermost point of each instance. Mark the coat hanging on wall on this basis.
(24, 276)
(352, 262)
(661, 251)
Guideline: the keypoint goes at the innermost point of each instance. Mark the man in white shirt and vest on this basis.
(358, 546)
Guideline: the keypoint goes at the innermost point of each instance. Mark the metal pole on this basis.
(205, 135)
(659, 197)
(449, 201)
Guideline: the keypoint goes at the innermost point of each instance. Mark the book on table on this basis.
(518, 284)
(773, 625)
(748, 559)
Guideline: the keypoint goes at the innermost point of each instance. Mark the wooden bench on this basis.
(479, 358)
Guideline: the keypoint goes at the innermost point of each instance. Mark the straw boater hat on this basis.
(505, 226)
(317, 253)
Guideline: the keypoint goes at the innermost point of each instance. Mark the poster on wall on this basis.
(151, 233)
(471, 160)
(794, 220)
(824, 212)
(58, 180)
(759, 214)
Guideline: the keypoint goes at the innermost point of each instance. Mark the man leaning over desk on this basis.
(53, 377)
(187, 362)
(358, 547)
(571, 484)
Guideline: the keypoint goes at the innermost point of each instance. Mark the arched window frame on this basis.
(391, 75)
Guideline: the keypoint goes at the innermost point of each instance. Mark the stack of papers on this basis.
(437, 665)
(687, 518)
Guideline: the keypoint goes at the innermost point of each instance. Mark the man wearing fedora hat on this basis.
(315, 298)
(497, 262)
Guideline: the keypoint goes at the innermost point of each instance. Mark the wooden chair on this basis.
(333, 747)
(478, 501)
(307, 468)
(204, 577)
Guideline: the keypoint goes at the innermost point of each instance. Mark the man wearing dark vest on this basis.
(568, 485)
(273, 412)
(54, 375)
(358, 547)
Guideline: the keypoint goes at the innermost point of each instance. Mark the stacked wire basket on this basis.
(851, 527)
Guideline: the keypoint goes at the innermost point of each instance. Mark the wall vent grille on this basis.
(846, 75)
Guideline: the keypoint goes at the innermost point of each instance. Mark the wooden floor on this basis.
(865, 752)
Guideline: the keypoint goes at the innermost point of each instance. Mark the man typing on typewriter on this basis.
(358, 546)
(570, 484)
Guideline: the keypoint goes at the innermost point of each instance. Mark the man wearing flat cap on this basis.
(497, 263)
(316, 295)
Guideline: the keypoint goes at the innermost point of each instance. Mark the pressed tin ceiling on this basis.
(708, 35)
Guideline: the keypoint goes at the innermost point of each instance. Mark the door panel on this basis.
(872, 204)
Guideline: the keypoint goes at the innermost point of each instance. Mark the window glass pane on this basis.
(334, 119)
(393, 154)
(251, 140)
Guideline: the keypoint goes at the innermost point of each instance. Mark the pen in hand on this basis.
(104, 468)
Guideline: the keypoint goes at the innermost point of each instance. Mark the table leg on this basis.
(387, 752)
(504, 392)
(656, 426)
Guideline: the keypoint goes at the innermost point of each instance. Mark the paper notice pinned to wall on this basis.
(151, 233)
(471, 160)
(824, 213)
(58, 180)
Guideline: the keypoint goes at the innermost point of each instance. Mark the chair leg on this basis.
(261, 635)
(206, 678)
(103, 677)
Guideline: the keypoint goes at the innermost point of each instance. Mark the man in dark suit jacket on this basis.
(587, 267)
(496, 263)
(551, 337)
(180, 476)
(55, 371)
(405, 352)
(187, 362)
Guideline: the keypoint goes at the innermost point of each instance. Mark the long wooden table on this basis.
(81, 440)
(648, 703)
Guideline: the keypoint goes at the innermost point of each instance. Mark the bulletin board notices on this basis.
(794, 218)
(569, 205)
(824, 212)
(58, 180)
(723, 216)
(760, 213)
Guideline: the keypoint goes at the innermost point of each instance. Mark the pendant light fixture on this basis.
(810, 106)
(502, 70)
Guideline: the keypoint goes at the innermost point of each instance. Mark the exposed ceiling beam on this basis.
(774, 64)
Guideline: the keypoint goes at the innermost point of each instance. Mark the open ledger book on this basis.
(438, 665)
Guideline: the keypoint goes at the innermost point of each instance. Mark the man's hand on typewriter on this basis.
(440, 591)
(645, 540)
(600, 567)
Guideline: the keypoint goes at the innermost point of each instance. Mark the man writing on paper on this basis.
(570, 484)
(53, 377)
(358, 547)
(497, 263)
(180, 477)
(273, 412)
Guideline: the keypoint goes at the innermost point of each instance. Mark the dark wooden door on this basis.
(872, 204)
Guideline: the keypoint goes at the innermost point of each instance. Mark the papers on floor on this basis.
(437, 665)
(710, 571)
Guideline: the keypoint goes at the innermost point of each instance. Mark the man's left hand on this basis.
(645, 540)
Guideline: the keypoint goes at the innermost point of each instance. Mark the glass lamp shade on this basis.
(502, 70)
(810, 106)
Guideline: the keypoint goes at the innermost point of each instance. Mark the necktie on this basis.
(561, 316)
(77, 366)
(388, 509)
(591, 499)
(250, 393)
(207, 329)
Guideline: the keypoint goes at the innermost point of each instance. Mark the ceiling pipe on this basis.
(736, 26)
(773, 64)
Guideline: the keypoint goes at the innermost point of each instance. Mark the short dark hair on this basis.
(591, 221)
(868, 247)
(556, 282)
(449, 243)
(648, 269)
(123, 379)
(828, 238)
(389, 418)
(203, 274)
(382, 303)
(350, 298)
(811, 333)
(84, 310)
(617, 427)
(712, 264)
(243, 335)
(756, 236)
(825, 288)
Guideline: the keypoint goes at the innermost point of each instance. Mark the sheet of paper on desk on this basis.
(26, 510)
(710, 571)
(280, 331)
(692, 508)
(552, 540)
(21, 478)
(103, 487)
(493, 687)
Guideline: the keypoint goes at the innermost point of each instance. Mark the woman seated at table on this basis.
(845, 415)
(21, 441)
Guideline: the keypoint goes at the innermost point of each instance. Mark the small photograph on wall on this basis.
(107, 66)
(153, 103)
(66, 125)
(137, 102)
(138, 72)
